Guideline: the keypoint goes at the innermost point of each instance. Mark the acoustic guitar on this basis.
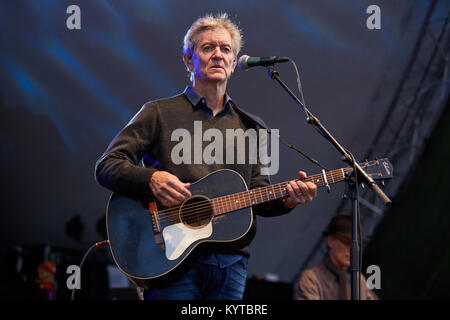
(148, 242)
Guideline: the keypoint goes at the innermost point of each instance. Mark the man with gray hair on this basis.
(210, 50)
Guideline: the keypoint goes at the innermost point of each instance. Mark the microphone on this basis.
(246, 62)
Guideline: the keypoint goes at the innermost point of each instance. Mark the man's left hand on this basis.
(300, 192)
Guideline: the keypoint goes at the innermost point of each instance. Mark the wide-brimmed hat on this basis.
(342, 225)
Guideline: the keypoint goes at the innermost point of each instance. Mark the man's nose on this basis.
(217, 53)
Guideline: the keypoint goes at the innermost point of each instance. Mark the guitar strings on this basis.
(205, 205)
(226, 201)
(219, 202)
(222, 201)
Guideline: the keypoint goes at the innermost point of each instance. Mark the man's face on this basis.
(213, 59)
(339, 251)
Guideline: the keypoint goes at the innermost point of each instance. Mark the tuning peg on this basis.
(363, 185)
(382, 183)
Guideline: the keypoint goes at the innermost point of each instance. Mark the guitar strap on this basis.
(259, 123)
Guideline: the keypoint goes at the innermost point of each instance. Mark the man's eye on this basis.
(226, 50)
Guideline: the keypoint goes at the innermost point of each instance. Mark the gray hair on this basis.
(210, 22)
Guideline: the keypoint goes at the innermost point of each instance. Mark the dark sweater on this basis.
(148, 136)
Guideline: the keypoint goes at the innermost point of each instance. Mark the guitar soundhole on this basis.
(196, 212)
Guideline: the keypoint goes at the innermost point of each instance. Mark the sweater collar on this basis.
(198, 101)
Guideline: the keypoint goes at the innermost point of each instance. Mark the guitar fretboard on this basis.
(236, 201)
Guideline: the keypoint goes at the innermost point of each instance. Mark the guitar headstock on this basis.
(380, 169)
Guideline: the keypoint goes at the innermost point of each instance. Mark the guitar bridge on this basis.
(155, 222)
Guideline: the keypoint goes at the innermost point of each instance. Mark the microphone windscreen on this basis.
(242, 62)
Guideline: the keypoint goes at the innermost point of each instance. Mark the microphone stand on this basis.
(358, 174)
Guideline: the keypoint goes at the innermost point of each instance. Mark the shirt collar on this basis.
(198, 101)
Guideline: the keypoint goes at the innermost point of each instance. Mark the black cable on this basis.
(293, 147)
(269, 131)
(289, 145)
(95, 245)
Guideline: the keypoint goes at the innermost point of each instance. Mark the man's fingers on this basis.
(180, 188)
(168, 201)
(168, 189)
(300, 192)
(173, 193)
(294, 192)
(313, 188)
(302, 174)
(303, 188)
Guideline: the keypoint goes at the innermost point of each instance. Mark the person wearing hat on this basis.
(330, 280)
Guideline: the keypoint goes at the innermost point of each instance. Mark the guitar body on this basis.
(143, 259)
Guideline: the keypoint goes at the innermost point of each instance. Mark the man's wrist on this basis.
(151, 179)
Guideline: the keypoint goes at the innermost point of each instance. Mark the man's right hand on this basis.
(168, 189)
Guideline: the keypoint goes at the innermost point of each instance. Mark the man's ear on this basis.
(234, 65)
(188, 62)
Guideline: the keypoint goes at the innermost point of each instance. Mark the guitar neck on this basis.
(236, 201)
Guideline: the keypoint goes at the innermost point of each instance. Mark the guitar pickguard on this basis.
(178, 237)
